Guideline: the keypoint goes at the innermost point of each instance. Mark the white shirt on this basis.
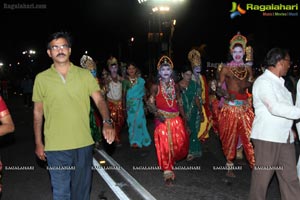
(274, 109)
(298, 105)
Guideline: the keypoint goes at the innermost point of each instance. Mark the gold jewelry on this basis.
(239, 72)
(168, 92)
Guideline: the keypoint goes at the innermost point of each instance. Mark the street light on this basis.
(162, 11)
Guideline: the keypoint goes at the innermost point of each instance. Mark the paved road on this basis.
(197, 179)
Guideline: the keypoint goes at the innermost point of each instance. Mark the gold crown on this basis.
(112, 61)
(194, 57)
(238, 39)
(165, 60)
(87, 62)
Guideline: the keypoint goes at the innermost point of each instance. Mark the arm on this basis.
(221, 92)
(7, 125)
(38, 114)
(298, 105)
(108, 130)
(151, 103)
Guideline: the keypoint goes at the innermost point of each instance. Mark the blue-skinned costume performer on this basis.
(206, 118)
(170, 134)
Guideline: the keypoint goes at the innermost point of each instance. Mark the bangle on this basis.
(108, 121)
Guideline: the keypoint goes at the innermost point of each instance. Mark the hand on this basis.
(39, 152)
(108, 133)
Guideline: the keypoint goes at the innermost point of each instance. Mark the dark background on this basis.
(104, 27)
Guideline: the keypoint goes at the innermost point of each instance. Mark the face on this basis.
(187, 76)
(113, 70)
(286, 62)
(238, 54)
(131, 70)
(165, 72)
(213, 85)
(59, 50)
(197, 70)
(104, 74)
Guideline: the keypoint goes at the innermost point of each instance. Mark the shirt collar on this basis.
(274, 77)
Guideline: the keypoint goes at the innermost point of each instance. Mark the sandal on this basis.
(230, 173)
(169, 177)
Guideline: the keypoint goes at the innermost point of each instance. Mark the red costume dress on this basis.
(170, 136)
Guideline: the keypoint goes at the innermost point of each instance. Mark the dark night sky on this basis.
(100, 26)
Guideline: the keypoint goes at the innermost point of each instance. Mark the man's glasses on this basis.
(56, 47)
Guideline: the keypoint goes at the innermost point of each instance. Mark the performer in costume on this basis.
(133, 95)
(170, 135)
(95, 118)
(190, 95)
(236, 114)
(206, 121)
(114, 97)
(214, 104)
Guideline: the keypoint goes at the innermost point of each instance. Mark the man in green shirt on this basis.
(61, 96)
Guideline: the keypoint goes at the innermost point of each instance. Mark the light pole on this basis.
(161, 26)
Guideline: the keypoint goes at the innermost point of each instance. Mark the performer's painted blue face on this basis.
(165, 71)
(197, 70)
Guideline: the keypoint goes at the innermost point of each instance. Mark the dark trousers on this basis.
(71, 173)
(273, 158)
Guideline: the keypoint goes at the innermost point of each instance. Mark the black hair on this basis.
(275, 55)
(186, 68)
(60, 34)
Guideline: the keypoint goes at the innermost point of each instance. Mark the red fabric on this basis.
(3, 108)
(239, 96)
(117, 115)
(171, 142)
(170, 137)
(235, 122)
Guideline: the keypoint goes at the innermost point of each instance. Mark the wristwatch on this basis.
(108, 121)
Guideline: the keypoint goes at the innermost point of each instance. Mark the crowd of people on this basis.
(252, 117)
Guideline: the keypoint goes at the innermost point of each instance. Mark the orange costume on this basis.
(236, 114)
(235, 122)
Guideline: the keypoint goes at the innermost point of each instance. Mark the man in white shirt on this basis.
(272, 135)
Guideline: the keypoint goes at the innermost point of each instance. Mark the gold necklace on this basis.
(132, 81)
(239, 72)
(168, 92)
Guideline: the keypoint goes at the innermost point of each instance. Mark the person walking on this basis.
(133, 103)
(272, 133)
(236, 113)
(191, 97)
(61, 95)
(170, 134)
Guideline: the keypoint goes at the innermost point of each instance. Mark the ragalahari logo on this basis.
(236, 10)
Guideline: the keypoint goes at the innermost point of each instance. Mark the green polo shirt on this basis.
(66, 104)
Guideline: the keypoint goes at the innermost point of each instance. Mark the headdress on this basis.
(87, 62)
(238, 39)
(165, 60)
(112, 61)
(194, 57)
